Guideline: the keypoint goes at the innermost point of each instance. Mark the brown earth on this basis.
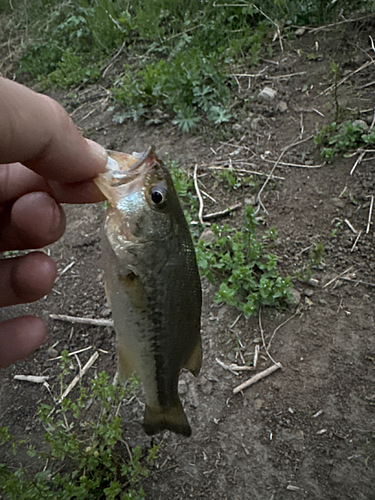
(306, 431)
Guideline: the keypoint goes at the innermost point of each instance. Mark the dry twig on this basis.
(361, 154)
(201, 205)
(36, 379)
(81, 320)
(370, 214)
(262, 335)
(356, 241)
(77, 378)
(340, 276)
(222, 213)
(350, 226)
(256, 378)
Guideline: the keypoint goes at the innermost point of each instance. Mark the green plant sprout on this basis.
(337, 139)
(82, 447)
(248, 275)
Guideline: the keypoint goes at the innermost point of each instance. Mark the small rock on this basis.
(182, 387)
(282, 106)
(206, 386)
(251, 200)
(362, 124)
(313, 282)
(208, 236)
(52, 352)
(237, 126)
(296, 295)
(338, 202)
(308, 292)
(256, 123)
(258, 403)
(106, 312)
(322, 302)
(267, 94)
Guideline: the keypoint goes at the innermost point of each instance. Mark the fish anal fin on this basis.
(194, 363)
(172, 419)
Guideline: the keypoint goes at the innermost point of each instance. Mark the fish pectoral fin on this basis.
(194, 363)
(134, 290)
(173, 419)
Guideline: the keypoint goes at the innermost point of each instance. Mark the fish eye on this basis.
(158, 195)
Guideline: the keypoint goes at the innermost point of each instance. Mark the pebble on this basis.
(296, 295)
(267, 94)
(52, 352)
(182, 387)
(208, 236)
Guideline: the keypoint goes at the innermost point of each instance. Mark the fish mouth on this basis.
(122, 169)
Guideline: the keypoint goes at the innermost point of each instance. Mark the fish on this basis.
(152, 283)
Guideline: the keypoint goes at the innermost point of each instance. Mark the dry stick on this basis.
(84, 321)
(242, 170)
(264, 342)
(280, 326)
(256, 378)
(370, 214)
(350, 226)
(242, 368)
(358, 160)
(258, 198)
(201, 205)
(73, 353)
(358, 281)
(36, 379)
(372, 43)
(356, 240)
(345, 78)
(222, 213)
(76, 379)
(273, 22)
(340, 276)
(225, 366)
(297, 165)
(256, 356)
(107, 66)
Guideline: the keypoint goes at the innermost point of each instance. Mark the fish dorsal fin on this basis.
(194, 363)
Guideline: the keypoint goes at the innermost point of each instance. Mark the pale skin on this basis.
(44, 161)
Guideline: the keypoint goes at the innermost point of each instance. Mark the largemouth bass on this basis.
(152, 283)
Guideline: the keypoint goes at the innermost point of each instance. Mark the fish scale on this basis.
(152, 283)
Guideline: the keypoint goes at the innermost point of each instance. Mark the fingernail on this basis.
(99, 152)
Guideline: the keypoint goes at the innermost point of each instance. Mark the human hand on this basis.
(44, 161)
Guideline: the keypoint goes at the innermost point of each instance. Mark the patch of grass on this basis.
(339, 139)
(246, 272)
(176, 55)
(82, 450)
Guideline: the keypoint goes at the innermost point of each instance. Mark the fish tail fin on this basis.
(194, 363)
(173, 419)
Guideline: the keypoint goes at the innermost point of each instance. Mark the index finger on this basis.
(36, 131)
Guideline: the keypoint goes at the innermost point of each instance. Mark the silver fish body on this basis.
(152, 283)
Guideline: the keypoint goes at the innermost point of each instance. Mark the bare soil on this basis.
(307, 430)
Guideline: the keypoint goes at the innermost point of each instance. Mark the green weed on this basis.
(247, 273)
(82, 447)
(338, 139)
(172, 54)
(316, 258)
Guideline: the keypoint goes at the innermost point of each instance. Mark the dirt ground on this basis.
(307, 430)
